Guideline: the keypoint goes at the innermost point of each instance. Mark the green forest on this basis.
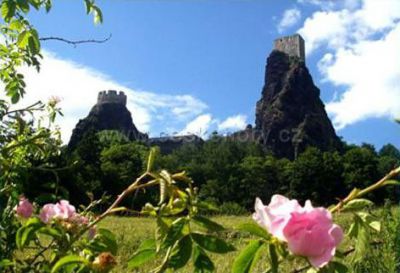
(227, 173)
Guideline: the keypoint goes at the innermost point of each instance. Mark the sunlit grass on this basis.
(130, 231)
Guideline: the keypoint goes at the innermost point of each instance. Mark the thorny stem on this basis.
(357, 194)
(134, 186)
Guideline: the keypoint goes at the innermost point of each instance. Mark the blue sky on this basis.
(199, 65)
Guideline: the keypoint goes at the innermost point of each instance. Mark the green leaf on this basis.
(392, 182)
(88, 5)
(147, 244)
(181, 253)
(201, 262)
(243, 262)
(362, 241)
(357, 204)
(150, 160)
(273, 257)
(53, 232)
(23, 39)
(48, 5)
(34, 43)
(141, 257)
(175, 232)
(108, 238)
(369, 220)
(255, 229)
(212, 243)
(35, 4)
(23, 5)
(98, 15)
(27, 233)
(376, 225)
(338, 267)
(69, 260)
(8, 10)
(5, 263)
(207, 223)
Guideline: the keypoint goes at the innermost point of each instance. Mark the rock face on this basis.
(290, 115)
(109, 113)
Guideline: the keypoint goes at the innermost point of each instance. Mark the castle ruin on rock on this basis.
(291, 45)
(109, 113)
(111, 96)
(290, 115)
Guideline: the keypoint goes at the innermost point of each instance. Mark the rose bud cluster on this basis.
(24, 208)
(308, 231)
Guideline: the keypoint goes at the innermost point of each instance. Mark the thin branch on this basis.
(76, 42)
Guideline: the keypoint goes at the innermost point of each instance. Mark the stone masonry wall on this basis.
(292, 45)
(111, 96)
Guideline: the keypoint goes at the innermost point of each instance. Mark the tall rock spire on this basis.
(109, 113)
(290, 114)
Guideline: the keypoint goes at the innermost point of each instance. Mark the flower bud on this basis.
(104, 262)
(24, 208)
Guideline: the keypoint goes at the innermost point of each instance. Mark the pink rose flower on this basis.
(275, 216)
(312, 234)
(24, 208)
(308, 231)
(65, 210)
(48, 212)
(62, 210)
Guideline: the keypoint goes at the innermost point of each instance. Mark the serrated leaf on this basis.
(174, 232)
(23, 39)
(212, 243)
(255, 229)
(68, 261)
(201, 262)
(181, 253)
(243, 261)
(207, 223)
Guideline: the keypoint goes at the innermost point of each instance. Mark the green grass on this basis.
(130, 231)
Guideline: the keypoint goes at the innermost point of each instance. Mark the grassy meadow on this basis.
(381, 258)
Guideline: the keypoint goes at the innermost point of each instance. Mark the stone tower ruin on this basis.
(111, 96)
(292, 45)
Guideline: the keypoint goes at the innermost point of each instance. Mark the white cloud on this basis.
(199, 126)
(78, 86)
(237, 122)
(362, 53)
(290, 17)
